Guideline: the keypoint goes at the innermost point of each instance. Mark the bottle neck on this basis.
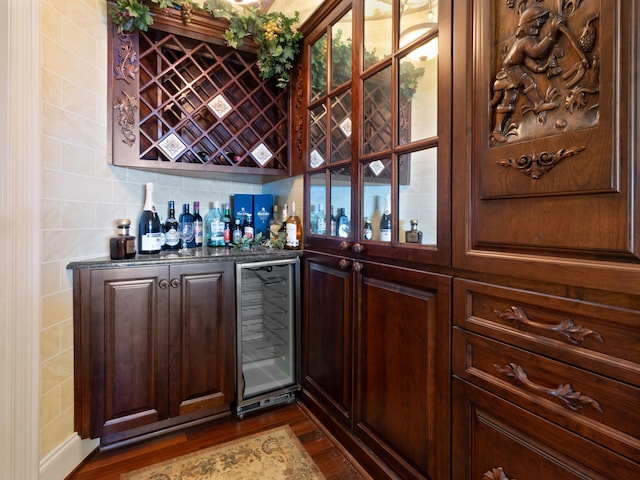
(148, 199)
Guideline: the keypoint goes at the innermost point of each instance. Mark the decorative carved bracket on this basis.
(537, 164)
(126, 67)
(571, 399)
(572, 332)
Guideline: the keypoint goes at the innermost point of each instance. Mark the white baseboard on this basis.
(61, 461)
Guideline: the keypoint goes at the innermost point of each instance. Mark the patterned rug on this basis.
(271, 455)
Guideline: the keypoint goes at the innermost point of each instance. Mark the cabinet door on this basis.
(402, 402)
(201, 346)
(327, 334)
(129, 345)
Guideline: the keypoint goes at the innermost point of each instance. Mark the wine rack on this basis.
(191, 104)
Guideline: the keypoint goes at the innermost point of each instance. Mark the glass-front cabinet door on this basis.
(378, 141)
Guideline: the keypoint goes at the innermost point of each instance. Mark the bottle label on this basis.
(171, 237)
(343, 230)
(151, 242)
(197, 232)
(130, 246)
(385, 235)
(321, 229)
(248, 231)
(368, 233)
(217, 233)
(292, 235)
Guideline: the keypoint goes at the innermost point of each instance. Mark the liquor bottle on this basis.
(313, 220)
(236, 235)
(149, 232)
(198, 225)
(385, 221)
(275, 224)
(285, 217)
(367, 232)
(414, 235)
(321, 221)
(294, 230)
(215, 226)
(186, 216)
(333, 227)
(123, 245)
(171, 238)
(342, 224)
(227, 228)
(248, 226)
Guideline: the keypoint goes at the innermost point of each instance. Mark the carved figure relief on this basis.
(547, 75)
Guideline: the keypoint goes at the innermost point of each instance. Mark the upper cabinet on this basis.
(544, 141)
(374, 116)
(184, 102)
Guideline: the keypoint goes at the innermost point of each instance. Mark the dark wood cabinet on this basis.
(375, 362)
(154, 347)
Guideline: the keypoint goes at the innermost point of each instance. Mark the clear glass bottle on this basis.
(198, 225)
(236, 235)
(334, 223)
(228, 227)
(414, 235)
(275, 225)
(171, 238)
(248, 226)
(294, 230)
(215, 226)
(123, 246)
(149, 231)
(321, 221)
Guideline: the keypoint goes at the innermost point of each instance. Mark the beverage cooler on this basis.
(267, 333)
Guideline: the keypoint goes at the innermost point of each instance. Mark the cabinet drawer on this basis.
(596, 337)
(497, 440)
(602, 409)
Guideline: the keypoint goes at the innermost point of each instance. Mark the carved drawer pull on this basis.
(496, 474)
(572, 332)
(175, 283)
(357, 266)
(357, 248)
(344, 264)
(344, 246)
(164, 283)
(571, 399)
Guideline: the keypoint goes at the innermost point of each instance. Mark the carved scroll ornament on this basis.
(537, 164)
(128, 108)
(571, 399)
(126, 67)
(496, 474)
(567, 328)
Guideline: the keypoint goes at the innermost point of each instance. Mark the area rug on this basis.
(271, 455)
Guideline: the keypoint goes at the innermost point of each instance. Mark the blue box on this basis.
(242, 205)
(262, 212)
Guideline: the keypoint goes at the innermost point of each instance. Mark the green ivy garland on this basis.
(277, 36)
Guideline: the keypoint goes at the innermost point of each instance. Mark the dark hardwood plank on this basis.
(333, 461)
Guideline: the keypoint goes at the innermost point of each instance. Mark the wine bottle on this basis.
(342, 224)
(334, 223)
(294, 230)
(215, 226)
(171, 238)
(227, 227)
(385, 220)
(198, 225)
(186, 216)
(149, 232)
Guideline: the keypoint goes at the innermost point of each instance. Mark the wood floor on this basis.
(334, 463)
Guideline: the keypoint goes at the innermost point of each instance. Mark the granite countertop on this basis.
(198, 255)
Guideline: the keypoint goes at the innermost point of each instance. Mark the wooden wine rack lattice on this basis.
(180, 78)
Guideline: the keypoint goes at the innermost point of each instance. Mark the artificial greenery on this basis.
(276, 35)
(247, 243)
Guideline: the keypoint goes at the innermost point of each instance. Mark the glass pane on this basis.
(376, 198)
(418, 196)
(417, 18)
(340, 223)
(418, 96)
(317, 136)
(341, 51)
(378, 28)
(318, 68)
(341, 127)
(377, 112)
(317, 203)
